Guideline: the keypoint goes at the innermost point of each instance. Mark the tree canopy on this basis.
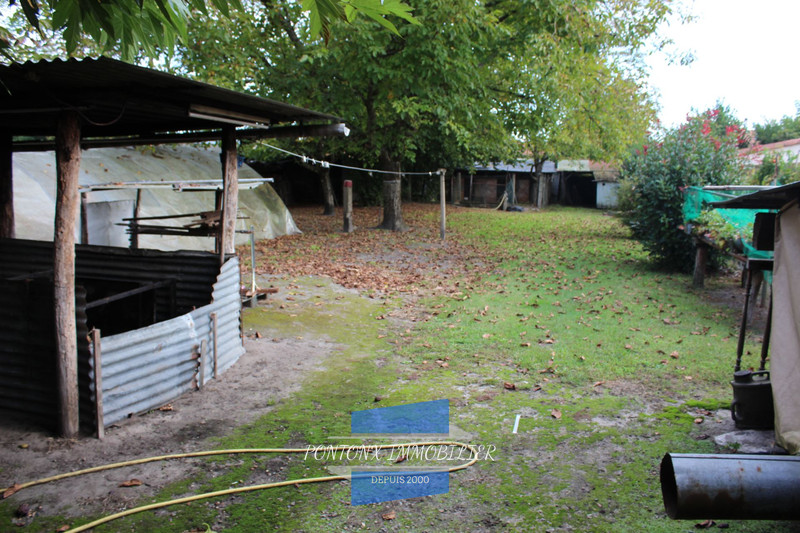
(473, 82)
(153, 26)
(788, 127)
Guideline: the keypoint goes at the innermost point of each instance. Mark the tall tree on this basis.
(473, 82)
(404, 97)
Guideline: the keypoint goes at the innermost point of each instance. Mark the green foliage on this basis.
(787, 127)
(132, 28)
(570, 88)
(776, 169)
(473, 82)
(659, 171)
(712, 225)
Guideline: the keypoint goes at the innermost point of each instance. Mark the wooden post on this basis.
(6, 188)
(98, 383)
(214, 341)
(700, 261)
(442, 199)
(230, 199)
(134, 223)
(347, 203)
(84, 219)
(203, 354)
(68, 161)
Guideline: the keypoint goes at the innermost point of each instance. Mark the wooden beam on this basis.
(68, 161)
(6, 188)
(230, 186)
(284, 132)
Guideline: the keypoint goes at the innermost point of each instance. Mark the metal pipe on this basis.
(750, 487)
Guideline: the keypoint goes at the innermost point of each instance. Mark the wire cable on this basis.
(326, 164)
(360, 447)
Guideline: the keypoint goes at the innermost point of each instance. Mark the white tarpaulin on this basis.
(785, 358)
(34, 177)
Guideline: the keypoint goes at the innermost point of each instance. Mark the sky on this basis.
(746, 55)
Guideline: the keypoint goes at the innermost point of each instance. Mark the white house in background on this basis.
(754, 155)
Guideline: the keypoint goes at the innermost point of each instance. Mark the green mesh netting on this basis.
(696, 198)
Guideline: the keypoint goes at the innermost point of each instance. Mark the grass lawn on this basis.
(554, 315)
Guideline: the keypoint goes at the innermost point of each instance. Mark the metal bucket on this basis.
(752, 406)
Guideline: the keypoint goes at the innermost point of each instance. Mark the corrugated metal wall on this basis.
(28, 384)
(28, 388)
(145, 368)
(193, 272)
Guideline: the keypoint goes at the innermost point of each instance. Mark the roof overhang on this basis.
(775, 198)
(120, 103)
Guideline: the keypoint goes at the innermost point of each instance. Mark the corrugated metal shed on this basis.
(147, 367)
(521, 166)
(122, 99)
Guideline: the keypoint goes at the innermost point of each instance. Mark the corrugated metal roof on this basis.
(522, 166)
(774, 198)
(116, 98)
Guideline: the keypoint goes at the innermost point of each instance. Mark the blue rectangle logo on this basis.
(421, 417)
(375, 487)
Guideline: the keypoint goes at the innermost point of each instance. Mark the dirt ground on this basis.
(271, 369)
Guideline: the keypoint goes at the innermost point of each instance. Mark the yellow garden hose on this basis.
(366, 448)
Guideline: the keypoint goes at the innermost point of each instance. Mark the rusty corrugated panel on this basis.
(28, 384)
(147, 367)
(193, 272)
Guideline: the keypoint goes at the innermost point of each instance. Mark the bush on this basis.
(700, 152)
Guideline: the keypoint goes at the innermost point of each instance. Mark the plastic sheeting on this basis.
(785, 358)
(35, 187)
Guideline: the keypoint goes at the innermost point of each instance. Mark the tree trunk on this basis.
(68, 161)
(327, 193)
(540, 184)
(392, 205)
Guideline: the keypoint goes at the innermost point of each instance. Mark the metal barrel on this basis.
(748, 487)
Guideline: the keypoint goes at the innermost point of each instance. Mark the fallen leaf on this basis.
(674, 355)
(525, 344)
(706, 524)
(444, 365)
(401, 459)
(687, 378)
(131, 483)
(258, 335)
(598, 383)
(23, 446)
(167, 407)
(555, 413)
(63, 528)
(486, 335)
(11, 490)
(391, 515)
(23, 510)
(509, 386)
(698, 420)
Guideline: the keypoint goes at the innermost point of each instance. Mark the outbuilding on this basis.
(174, 315)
